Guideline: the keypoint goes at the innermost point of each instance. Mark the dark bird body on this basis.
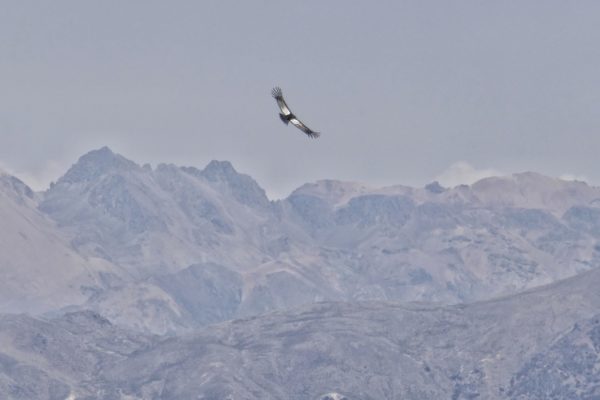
(287, 116)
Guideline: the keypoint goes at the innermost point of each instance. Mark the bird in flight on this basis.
(287, 116)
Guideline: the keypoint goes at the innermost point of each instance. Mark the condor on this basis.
(287, 116)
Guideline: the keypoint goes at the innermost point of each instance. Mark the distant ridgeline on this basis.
(170, 248)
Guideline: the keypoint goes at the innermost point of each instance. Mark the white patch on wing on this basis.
(284, 109)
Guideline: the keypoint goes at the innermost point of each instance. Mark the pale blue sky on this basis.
(399, 90)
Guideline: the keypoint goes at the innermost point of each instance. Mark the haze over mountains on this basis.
(172, 248)
(130, 251)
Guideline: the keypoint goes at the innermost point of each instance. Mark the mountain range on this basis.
(177, 282)
(169, 249)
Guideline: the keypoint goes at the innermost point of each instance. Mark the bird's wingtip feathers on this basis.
(276, 92)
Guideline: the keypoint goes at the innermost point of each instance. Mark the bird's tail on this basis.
(276, 92)
(283, 119)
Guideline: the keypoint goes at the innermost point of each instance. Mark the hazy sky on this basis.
(403, 92)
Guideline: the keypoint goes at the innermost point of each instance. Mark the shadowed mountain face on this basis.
(537, 345)
(162, 232)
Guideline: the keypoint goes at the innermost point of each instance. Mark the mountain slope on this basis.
(533, 345)
(39, 271)
(52, 360)
(383, 350)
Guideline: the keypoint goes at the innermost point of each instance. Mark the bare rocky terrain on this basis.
(124, 281)
(540, 344)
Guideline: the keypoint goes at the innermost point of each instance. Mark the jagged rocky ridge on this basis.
(170, 248)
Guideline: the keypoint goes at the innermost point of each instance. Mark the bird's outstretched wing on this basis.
(278, 95)
(298, 124)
